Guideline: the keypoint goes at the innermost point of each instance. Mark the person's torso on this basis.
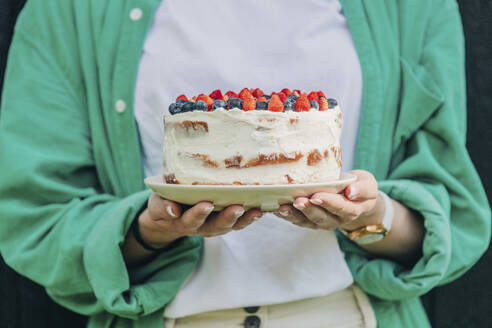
(195, 47)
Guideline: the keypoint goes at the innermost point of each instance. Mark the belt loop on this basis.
(169, 323)
(364, 306)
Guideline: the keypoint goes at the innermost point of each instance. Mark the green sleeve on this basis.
(58, 226)
(432, 173)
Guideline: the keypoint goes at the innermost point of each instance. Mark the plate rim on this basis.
(345, 178)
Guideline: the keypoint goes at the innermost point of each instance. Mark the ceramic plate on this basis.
(265, 197)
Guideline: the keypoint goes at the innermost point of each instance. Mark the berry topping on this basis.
(201, 106)
(188, 107)
(289, 105)
(232, 94)
(313, 96)
(182, 97)
(219, 103)
(332, 103)
(323, 103)
(275, 104)
(216, 94)
(302, 103)
(175, 108)
(249, 104)
(292, 97)
(254, 98)
(261, 105)
(209, 101)
(235, 103)
(257, 93)
(286, 91)
(245, 94)
(283, 96)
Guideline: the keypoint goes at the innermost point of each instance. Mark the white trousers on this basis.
(348, 308)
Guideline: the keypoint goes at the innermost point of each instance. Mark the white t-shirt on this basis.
(197, 46)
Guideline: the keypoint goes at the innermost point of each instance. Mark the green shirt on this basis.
(71, 176)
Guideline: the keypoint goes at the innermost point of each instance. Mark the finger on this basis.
(336, 204)
(160, 208)
(247, 218)
(365, 187)
(195, 217)
(291, 214)
(318, 215)
(223, 221)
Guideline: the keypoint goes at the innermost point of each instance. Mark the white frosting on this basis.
(199, 145)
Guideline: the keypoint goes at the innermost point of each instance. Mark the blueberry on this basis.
(261, 105)
(314, 104)
(289, 105)
(188, 107)
(332, 103)
(267, 97)
(180, 101)
(235, 103)
(292, 97)
(219, 104)
(175, 108)
(201, 106)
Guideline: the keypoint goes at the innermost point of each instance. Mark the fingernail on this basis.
(208, 209)
(170, 211)
(256, 218)
(299, 206)
(352, 192)
(238, 213)
(316, 201)
(284, 213)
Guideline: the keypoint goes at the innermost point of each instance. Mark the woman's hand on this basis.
(358, 206)
(165, 221)
(361, 205)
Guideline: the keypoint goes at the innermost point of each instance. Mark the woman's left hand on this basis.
(359, 205)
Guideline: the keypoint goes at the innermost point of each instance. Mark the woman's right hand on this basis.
(165, 221)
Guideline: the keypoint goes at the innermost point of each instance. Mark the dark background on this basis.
(463, 303)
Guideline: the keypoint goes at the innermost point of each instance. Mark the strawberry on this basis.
(182, 97)
(193, 99)
(209, 101)
(232, 94)
(262, 99)
(286, 91)
(321, 94)
(216, 94)
(245, 94)
(225, 98)
(295, 92)
(302, 103)
(249, 104)
(257, 93)
(313, 95)
(323, 103)
(282, 96)
(275, 104)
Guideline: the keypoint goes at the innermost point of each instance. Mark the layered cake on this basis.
(252, 139)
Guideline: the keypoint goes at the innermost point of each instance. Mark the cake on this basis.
(252, 139)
